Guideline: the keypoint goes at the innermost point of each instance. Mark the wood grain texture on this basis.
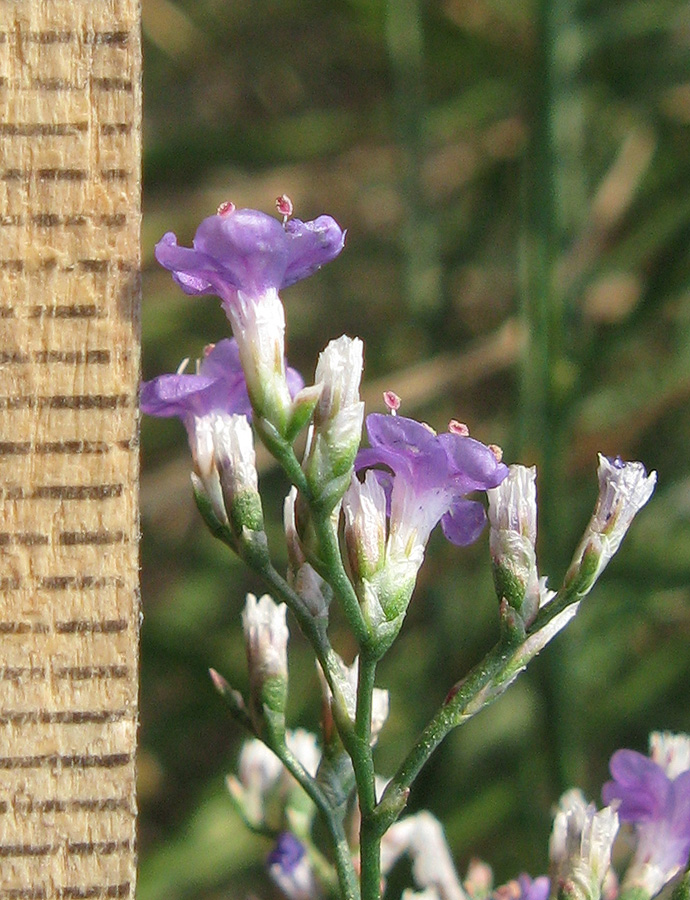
(69, 365)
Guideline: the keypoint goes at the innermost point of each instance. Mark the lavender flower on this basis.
(245, 257)
(425, 479)
(214, 407)
(290, 869)
(432, 474)
(654, 796)
(218, 386)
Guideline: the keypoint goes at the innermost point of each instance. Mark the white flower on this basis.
(304, 746)
(259, 771)
(513, 504)
(339, 410)
(580, 846)
(259, 329)
(233, 447)
(364, 505)
(301, 576)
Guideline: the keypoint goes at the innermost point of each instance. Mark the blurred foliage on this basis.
(515, 182)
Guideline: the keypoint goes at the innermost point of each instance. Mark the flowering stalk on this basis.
(392, 495)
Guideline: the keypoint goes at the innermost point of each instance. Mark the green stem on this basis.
(363, 764)
(454, 712)
(483, 684)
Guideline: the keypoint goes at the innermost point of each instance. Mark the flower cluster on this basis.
(357, 522)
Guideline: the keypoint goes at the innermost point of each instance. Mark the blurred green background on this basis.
(515, 181)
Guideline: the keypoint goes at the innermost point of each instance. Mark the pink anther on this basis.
(392, 401)
(460, 428)
(285, 206)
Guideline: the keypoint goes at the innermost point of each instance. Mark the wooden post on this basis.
(69, 361)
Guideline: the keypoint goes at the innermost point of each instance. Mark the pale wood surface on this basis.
(69, 363)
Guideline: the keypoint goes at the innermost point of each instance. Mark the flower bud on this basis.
(347, 703)
(314, 591)
(266, 636)
(365, 525)
(337, 423)
(580, 847)
(513, 520)
(265, 793)
(233, 448)
(624, 488)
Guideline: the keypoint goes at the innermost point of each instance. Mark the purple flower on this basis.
(655, 797)
(534, 888)
(246, 251)
(431, 476)
(245, 257)
(290, 869)
(214, 408)
(389, 516)
(218, 386)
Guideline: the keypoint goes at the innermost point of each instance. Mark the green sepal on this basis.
(274, 694)
(217, 528)
(581, 580)
(508, 586)
(638, 893)
(245, 511)
(253, 548)
(392, 803)
(271, 436)
(329, 473)
(512, 626)
(302, 410)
